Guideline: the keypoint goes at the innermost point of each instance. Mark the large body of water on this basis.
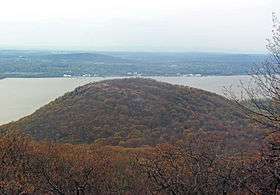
(22, 96)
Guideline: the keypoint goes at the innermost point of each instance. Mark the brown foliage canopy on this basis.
(199, 164)
(130, 112)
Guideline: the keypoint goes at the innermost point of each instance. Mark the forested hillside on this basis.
(134, 136)
(132, 112)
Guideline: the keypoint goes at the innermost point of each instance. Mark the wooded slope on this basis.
(130, 112)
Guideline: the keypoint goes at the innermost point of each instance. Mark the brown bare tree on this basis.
(260, 102)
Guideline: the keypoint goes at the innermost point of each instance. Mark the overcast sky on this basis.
(137, 25)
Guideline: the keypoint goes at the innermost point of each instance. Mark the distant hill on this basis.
(17, 63)
(50, 64)
(130, 112)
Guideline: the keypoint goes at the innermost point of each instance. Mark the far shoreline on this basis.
(121, 76)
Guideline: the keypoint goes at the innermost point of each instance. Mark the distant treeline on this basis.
(15, 63)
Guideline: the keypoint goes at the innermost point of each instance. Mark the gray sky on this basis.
(137, 25)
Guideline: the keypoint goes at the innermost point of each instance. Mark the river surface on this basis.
(20, 97)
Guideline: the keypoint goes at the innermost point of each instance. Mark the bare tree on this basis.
(260, 100)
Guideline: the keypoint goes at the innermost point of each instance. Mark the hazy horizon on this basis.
(73, 50)
(234, 26)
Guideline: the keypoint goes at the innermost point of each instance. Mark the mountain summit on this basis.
(129, 112)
